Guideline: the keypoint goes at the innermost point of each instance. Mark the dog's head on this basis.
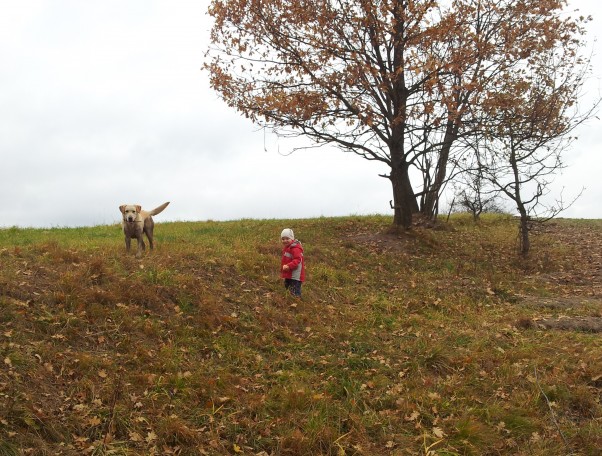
(130, 212)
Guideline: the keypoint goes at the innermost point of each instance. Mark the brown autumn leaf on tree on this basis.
(391, 81)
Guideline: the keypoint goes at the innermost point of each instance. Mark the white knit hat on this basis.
(287, 233)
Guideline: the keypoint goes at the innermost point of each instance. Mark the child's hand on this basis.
(285, 267)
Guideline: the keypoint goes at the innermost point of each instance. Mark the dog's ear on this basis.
(138, 208)
(122, 208)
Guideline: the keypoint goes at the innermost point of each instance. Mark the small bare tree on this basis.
(525, 136)
(476, 195)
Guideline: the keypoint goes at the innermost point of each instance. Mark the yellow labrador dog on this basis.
(136, 223)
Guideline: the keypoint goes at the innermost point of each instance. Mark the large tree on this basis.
(390, 80)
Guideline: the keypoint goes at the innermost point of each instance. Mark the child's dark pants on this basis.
(294, 286)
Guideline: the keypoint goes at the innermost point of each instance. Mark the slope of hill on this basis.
(437, 342)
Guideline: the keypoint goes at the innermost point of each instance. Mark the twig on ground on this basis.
(551, 411)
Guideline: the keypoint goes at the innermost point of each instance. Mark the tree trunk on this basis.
(525, 244)
(431, 199)
(404, 201)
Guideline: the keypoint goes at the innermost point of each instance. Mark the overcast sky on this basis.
(104, 103)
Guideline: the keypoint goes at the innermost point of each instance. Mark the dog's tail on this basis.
(159, 209)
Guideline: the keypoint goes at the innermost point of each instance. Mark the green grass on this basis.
(400, 345)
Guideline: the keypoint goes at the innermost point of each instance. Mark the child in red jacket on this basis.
(292, 266)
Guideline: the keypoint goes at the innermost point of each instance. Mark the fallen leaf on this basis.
(438, 432)
(135, 437)
(413, 416)
(94, 421)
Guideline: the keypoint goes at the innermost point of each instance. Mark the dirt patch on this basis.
(383, 242)
(586, 324)
(562, 303)
(584, 313)
(397, 240)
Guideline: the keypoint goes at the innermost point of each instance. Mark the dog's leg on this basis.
(128, 243)
(141, 246)
(150, 240)
(149, 235)
(149, 226)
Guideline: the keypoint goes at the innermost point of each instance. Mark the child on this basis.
(292, 266)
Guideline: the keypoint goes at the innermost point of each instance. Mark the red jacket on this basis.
(292, 256)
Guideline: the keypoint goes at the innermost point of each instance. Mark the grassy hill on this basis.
(437, 342)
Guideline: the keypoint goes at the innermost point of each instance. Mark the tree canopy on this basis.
(397, 81)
